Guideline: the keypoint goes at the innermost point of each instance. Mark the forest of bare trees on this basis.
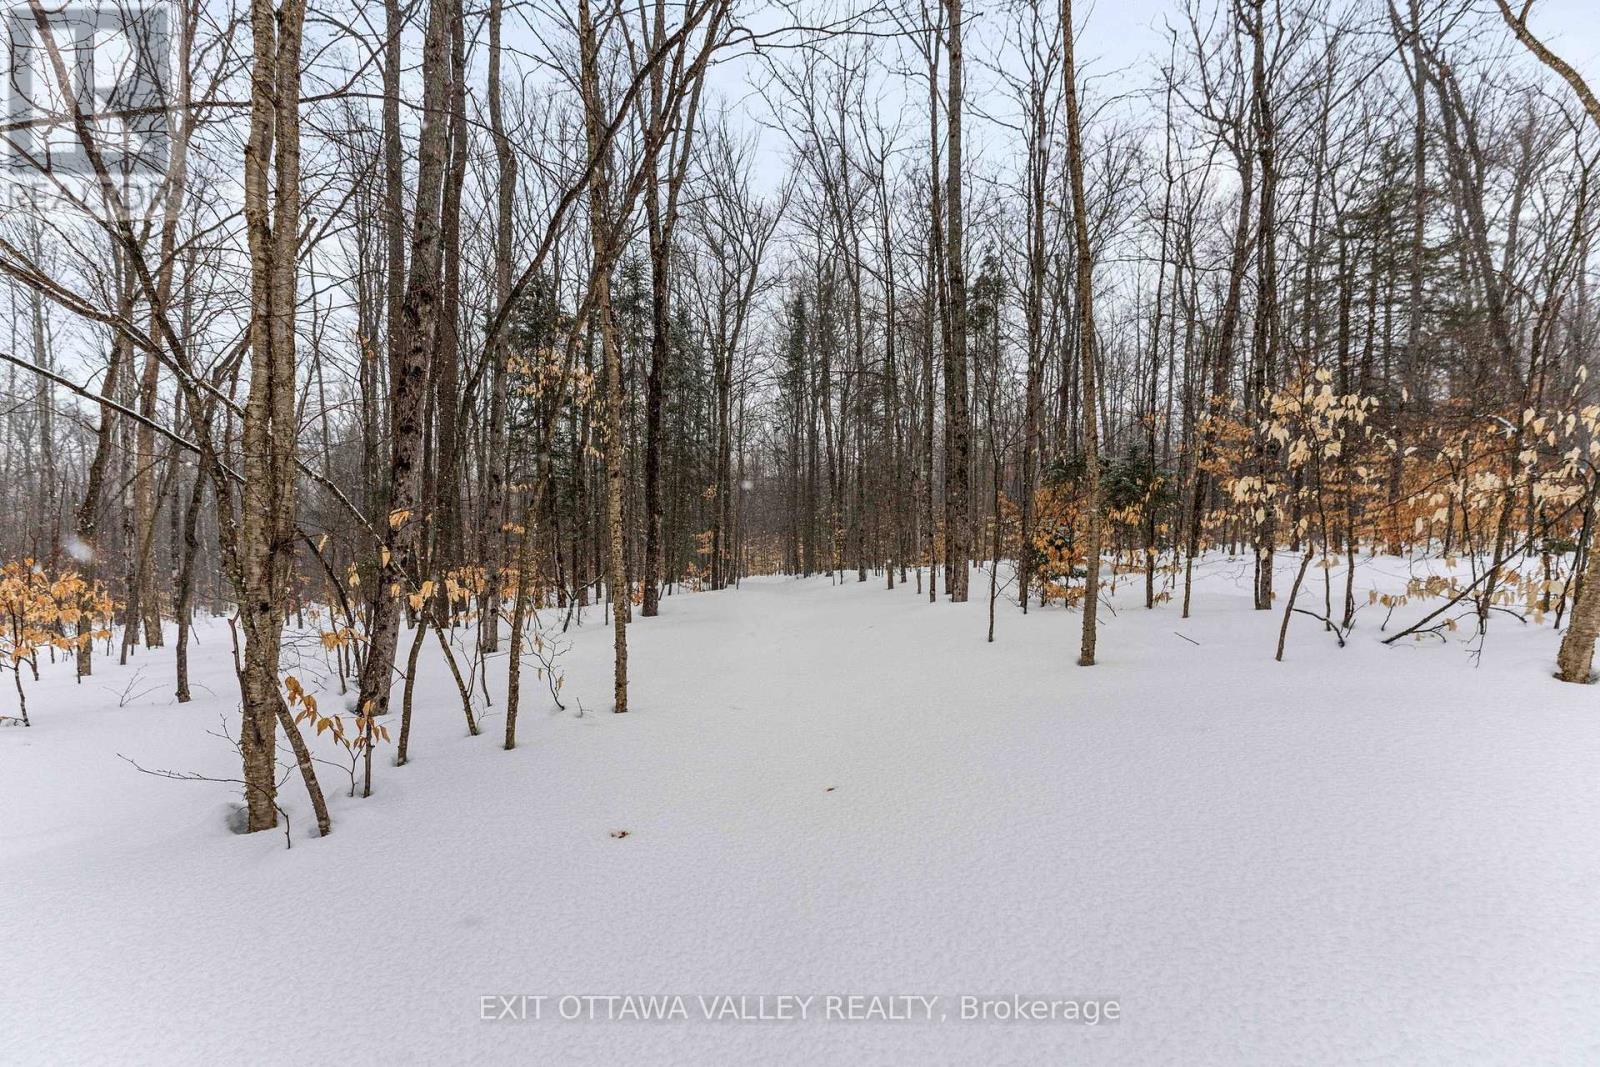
(454, 326)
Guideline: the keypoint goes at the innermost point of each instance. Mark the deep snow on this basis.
(1371, 854)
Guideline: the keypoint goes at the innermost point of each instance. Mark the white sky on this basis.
(1119, 46)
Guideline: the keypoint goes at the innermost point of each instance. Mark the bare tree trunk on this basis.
(1265, 321)
(1221, 368)
(662, 218)
(1294, 591)
(375, 406)
(1576, 658)
(268, 436)
(446, 526)
(957, 475)
(408, 378)
(494, 541)
(933, 303)
(403, 747)
(1086, 341)
(87, 527)
(145, 459)
(1038, 168)
(600, 239)
(184, 605)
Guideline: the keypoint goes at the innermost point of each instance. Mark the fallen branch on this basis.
(191, 776)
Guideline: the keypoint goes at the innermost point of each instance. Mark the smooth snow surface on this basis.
(1360, 855)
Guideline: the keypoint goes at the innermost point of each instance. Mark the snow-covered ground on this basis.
(1374, 854)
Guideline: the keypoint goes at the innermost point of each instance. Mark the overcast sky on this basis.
(1120, 44)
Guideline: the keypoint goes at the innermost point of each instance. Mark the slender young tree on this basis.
(409, 374)
(600, 234)
(1086, 338)
(957, 476)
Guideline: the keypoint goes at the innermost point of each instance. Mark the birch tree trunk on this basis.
(268, 432)
(1576, 658)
